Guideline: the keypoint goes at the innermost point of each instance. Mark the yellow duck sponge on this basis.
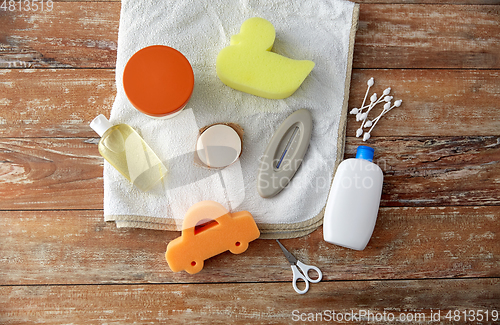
(248, 65)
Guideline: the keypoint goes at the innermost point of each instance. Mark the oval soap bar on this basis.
(248, 64)
(158, 80)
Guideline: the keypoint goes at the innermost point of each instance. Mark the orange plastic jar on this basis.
(158, 80)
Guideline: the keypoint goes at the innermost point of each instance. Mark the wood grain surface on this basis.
(248, 303)
(61, 102)
(66, 173)
(78, 247)
(389, 36)
(435, 246)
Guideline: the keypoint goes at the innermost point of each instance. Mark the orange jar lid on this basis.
(158, 80)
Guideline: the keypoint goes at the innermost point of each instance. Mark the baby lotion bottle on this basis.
(126, 151)
(352, 206)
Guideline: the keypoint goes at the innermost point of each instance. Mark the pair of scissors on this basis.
(304, 275)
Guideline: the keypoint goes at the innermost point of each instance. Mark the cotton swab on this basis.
(357, 110)
(387, 108)
(375, 120)
(370, 83)
(362, 116)
(374, 100)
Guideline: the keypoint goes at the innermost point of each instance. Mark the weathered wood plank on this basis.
(62, 102)
(436, 171)
(78, 247)
(66, 173)
(435, 102)
(418, 301)
(430, 36)
(73, 34)
(389, 36)
(44, 173)
(54, 103)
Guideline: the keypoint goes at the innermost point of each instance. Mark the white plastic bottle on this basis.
(125, 150)
(352, 206)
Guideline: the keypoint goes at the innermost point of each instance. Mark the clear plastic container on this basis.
(126, 151)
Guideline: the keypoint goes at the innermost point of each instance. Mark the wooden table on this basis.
(435, 250)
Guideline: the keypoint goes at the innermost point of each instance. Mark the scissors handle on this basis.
(296, 276)
(306, 268)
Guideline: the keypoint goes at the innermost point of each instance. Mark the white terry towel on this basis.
(319, 30)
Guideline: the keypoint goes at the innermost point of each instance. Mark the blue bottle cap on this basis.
(365, 152)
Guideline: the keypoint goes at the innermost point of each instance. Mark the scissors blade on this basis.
(288, 255)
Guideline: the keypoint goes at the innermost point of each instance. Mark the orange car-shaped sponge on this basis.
(208, 230)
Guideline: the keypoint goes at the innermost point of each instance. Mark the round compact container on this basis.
(158, 80)
(218, 146)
